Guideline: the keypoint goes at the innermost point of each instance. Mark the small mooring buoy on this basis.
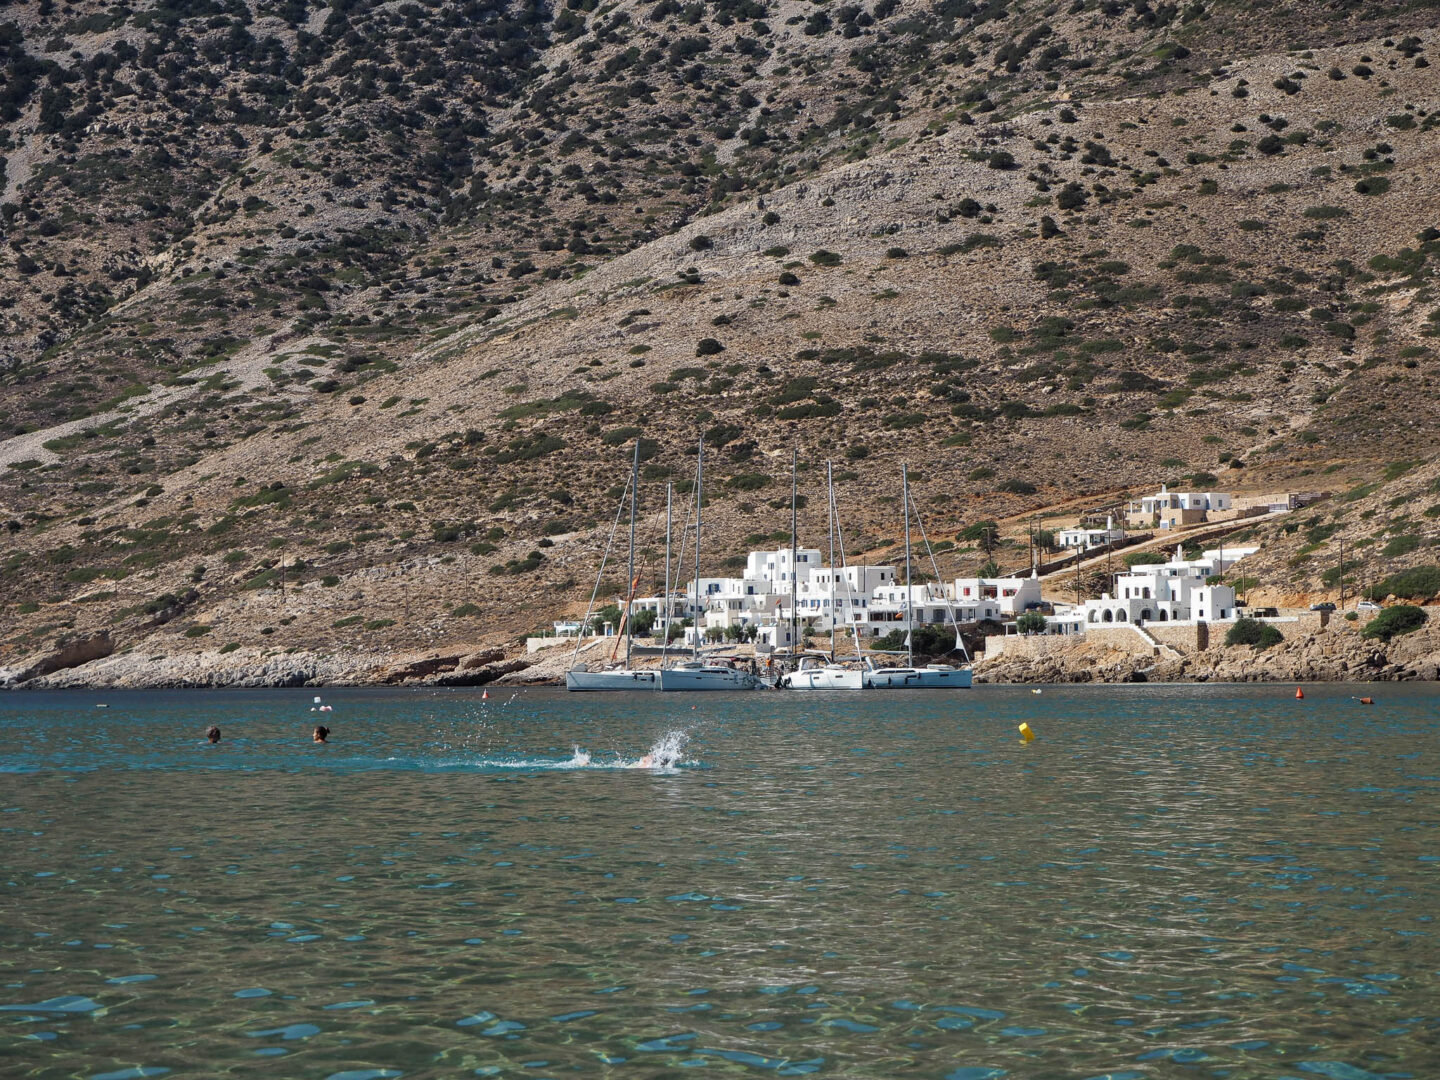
(1026, 735)
(1299, 694)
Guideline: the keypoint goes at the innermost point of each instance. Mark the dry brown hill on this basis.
(1034, 285)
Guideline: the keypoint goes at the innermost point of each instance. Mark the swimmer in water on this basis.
(321, 733)
(213, 734)
(646, 762)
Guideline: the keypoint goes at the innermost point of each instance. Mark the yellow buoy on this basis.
(1025, 733)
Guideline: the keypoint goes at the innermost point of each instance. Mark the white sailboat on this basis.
(616, 677)
(830, 675)
(695, 673)
(910, 677)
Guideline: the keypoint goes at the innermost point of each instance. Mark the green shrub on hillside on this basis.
(1253, 632)
(1144, 558)
(1394, 621)
(1417, 583)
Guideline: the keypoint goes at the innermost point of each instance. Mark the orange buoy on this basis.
(484, 695)
(1299, 694)
(1367, 701)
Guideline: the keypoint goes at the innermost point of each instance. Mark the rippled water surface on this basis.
(1169, 881)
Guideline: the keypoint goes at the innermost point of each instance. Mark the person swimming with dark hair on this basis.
(213, 734)
(321, 733)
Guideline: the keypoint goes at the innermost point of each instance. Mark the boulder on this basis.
(421, 669)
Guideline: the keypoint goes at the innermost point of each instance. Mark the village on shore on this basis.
(1167, 586)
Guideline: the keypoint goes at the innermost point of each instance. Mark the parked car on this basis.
(1367, 605)
(1323, 606)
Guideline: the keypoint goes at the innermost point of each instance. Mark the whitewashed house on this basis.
(1083, 539)
(1008, 596)
(1165, 592)
(841, 595)
(1166, 509)
(890, 605)
(774, 566)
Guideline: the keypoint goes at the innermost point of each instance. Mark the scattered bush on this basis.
(1400, 545)
(1417, 583)
(1144, 558)
(1394, 621)
(1253, 632)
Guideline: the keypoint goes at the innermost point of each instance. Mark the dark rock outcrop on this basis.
(73, 654)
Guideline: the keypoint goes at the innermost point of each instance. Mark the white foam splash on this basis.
(668, 752)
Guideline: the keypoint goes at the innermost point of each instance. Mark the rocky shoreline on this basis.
(211, 669)
(1335, 654)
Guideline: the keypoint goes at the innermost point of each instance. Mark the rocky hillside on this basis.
(373, 301)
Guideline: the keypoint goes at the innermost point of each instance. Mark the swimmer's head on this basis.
(321, 733)
(212, 733)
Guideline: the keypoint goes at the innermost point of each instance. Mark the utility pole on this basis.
(1342, 573)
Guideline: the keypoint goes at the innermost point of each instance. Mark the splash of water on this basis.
(667, 752)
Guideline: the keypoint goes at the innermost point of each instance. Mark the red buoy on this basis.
(1299, 694)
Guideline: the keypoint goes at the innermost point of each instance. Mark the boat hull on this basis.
(824, 679)
(707, 678)
(926, 678)
(624, 679)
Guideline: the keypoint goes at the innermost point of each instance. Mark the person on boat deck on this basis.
(213, 734)
(321, 733)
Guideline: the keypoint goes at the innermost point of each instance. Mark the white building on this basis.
(1009, 595)
(1066, 622)
(1165, 592)
(892, 604)
(1083, 539)
(774, 566)
(839, 594)
(1167, 509)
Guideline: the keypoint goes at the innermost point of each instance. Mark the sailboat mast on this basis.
(794, 575)
(830, 515)
(665, 596)
(909, 589)
(630, 576)
(699, 503)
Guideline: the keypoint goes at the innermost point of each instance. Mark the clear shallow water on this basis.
(1170, 881)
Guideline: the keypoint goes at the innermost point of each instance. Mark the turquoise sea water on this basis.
(1199, 881)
